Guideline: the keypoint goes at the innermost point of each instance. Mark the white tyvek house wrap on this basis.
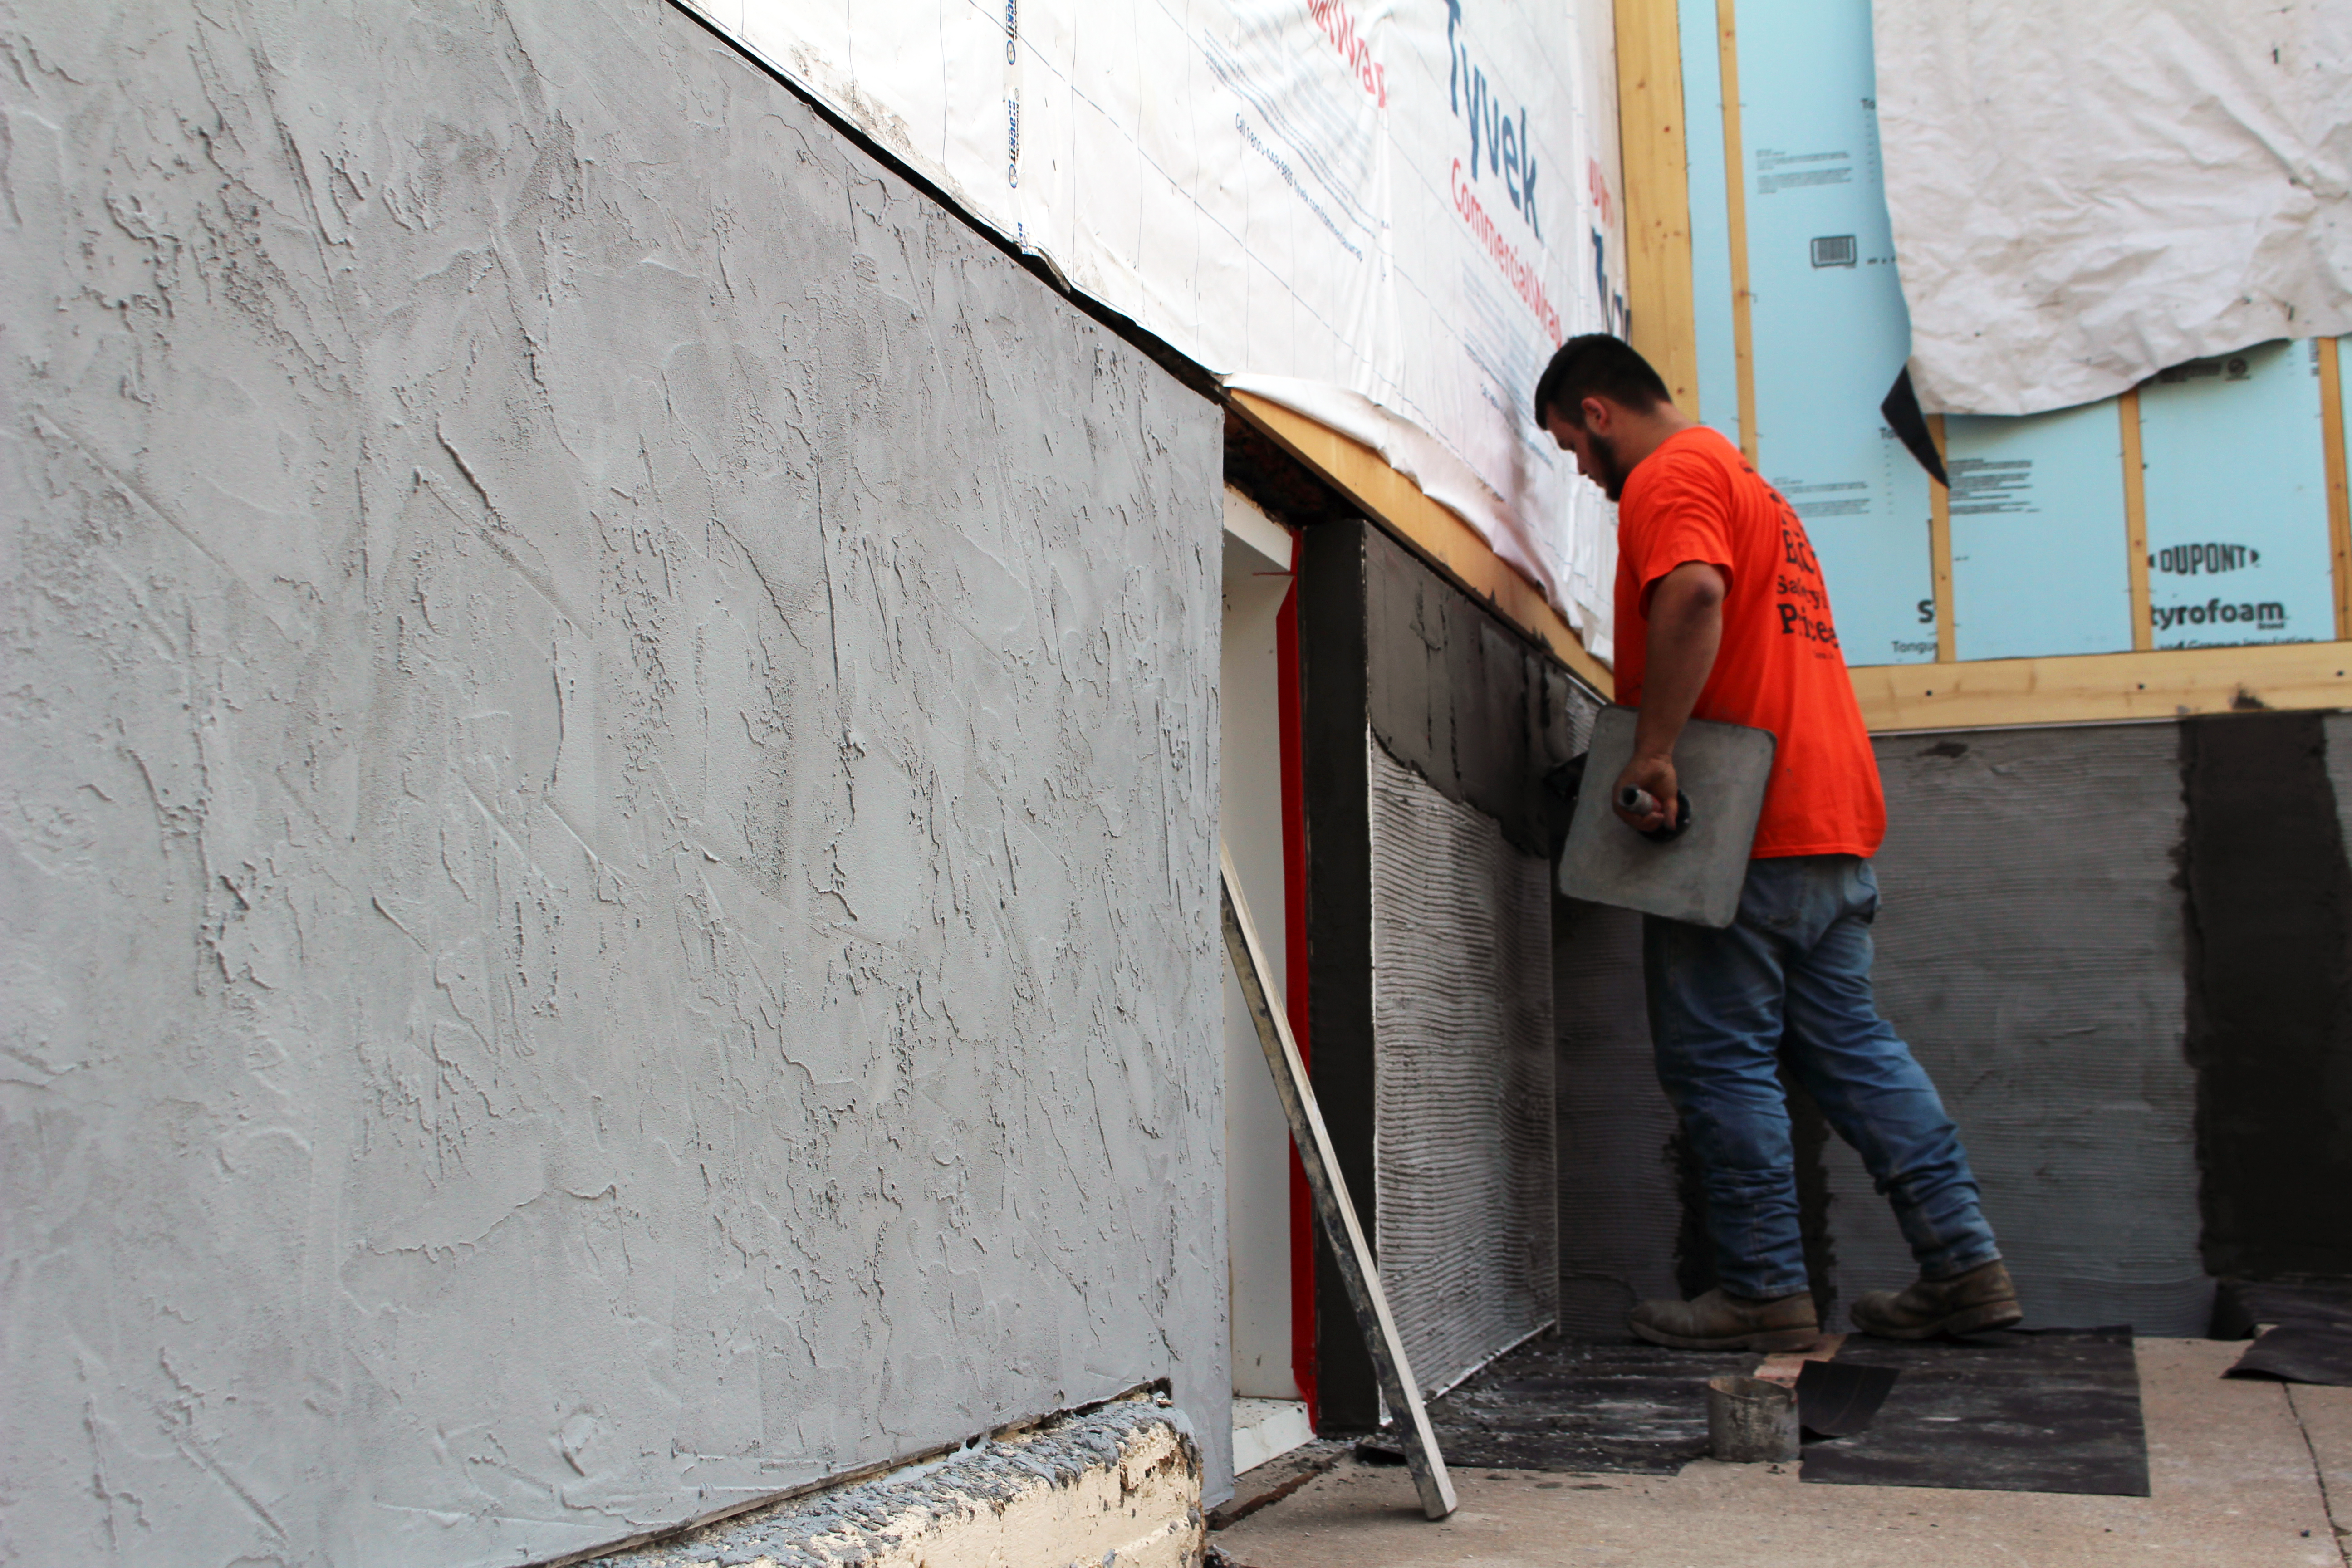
(2086, 194)
(1286, 191)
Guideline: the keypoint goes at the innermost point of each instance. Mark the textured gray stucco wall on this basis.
(2030, 949)
(608, 861)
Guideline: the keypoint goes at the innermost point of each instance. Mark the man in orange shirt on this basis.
(1722, 614)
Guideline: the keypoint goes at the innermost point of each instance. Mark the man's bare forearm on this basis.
(1686, 630)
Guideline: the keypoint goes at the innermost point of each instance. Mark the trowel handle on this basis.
(1641, 802)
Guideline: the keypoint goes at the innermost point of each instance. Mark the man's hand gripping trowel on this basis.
(1690, 870)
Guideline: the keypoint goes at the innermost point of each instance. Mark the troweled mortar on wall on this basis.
(610, 882)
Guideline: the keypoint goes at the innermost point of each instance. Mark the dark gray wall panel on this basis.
(2270, 993)
(1620, 1208)
(1468, 703)
(1332, 676)
(2030, 948)
(2338, 729)
(1476, 714)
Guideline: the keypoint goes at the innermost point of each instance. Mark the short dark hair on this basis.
(1597, 365)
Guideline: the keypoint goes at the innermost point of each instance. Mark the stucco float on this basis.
(1118, 1487)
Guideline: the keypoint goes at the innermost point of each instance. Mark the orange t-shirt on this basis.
(1780, 668)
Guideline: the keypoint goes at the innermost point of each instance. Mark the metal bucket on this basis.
(1751, 1421)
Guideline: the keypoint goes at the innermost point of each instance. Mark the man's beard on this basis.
(1607, 471)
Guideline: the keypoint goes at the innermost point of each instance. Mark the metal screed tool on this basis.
(1331, 1203)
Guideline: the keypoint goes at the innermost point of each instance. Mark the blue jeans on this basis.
(1795, 967)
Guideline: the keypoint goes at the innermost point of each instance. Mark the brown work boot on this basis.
(1716, 1321)
(1972, 1304)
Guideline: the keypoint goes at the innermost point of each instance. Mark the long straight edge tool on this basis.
(1330, 1191)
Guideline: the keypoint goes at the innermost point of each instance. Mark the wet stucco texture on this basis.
(608, 855)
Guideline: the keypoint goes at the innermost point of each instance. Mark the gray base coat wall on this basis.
(609, 875)
(1463, 1058)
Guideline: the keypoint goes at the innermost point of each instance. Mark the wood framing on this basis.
(2143, 621)
(1650, 139)
(1735, 187)
(2340, 502)
(2107, 687)
(1939, 554)
(1948, 693)
(1435, 534)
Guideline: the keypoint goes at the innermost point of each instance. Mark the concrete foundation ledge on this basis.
(1115, 1487)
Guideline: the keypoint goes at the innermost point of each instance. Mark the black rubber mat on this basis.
(2053, 1412)
(1558, 1404)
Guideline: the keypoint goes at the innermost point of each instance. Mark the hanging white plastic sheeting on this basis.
(1383, 214)
(2087, 193)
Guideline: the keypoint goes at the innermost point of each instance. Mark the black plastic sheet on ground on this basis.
(2050, 1411)
(1838, 1398)
(2312, 1342)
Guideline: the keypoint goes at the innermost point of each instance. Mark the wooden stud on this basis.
(1940, 553)
(2339, 499)
(2104, 687)
(1649, 134)
(1735, 184)
(1332, 1206)
(1427, 528)
(2143, 621)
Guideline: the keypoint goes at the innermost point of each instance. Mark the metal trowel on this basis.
(1694, 871)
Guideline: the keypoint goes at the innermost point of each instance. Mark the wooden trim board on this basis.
(2339, 503)
(1313, 1142)
(1735, 186)
(2107, 687)
(1651, 140)
(2143, 620)
(1939, 554)
(1430, 531)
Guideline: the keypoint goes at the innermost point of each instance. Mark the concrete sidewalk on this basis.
(2242, 1473)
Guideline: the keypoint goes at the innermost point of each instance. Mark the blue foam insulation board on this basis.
(2237, 499)
(1710, 223)
(1829, 327)
(2040, 543)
